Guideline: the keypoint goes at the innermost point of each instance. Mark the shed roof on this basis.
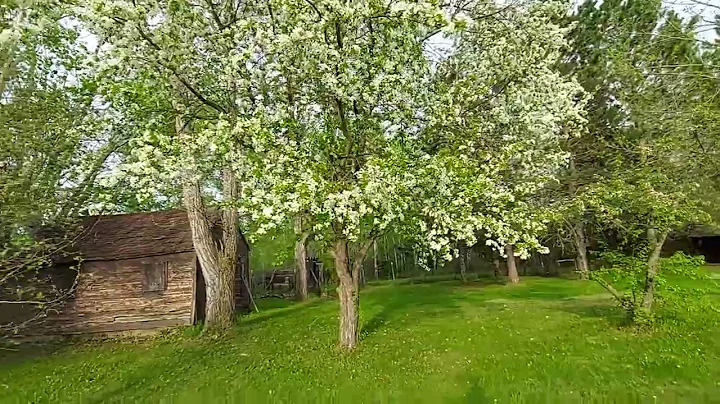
(136, 235)
(696, 231)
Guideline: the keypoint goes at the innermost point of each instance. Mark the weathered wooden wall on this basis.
(243, 283)
(110, 297)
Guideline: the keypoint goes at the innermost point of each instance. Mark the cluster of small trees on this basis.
(443, 122)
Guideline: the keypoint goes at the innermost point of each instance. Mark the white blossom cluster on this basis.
(323, 108)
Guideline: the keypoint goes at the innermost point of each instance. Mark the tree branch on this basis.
(180, 78)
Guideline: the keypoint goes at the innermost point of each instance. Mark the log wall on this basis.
(110, 297)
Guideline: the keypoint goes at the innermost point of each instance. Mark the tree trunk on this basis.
(392, 266)
(375, 260)
(219, 286)
(578, 230)
(348, 297)
(463, 262)
(496, 263)
(218, 267)
(511, 267)
(395, 260)
(656, 242)
(581, 247)
(301, 273)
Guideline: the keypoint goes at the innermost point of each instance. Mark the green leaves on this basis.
(681, 286)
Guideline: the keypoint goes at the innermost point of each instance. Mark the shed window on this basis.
(155, 279)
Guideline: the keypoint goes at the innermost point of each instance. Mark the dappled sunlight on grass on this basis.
(544, 340)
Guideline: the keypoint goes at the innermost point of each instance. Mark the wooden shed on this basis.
(139, 271)
(705, 240)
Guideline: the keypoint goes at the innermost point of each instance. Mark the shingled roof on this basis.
(134, 235)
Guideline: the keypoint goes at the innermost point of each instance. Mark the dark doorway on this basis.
(200, 296)
(709, 246)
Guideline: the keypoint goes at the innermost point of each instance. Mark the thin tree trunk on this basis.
(321, 278)
(496, 263)
(578, 229)
(463, 262)
(348, 293)
(229, 254)
(395, 261)
(581, 247)
(511, 267)
(362, 275)
(375, 260)
(656, 241)
(301, 273)
(218, 270)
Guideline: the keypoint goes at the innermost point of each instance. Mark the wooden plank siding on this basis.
(242, 282)
(110, 297)
(139, 272)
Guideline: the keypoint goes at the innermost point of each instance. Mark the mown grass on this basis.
(545, 340)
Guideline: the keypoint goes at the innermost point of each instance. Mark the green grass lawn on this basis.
(545, 340)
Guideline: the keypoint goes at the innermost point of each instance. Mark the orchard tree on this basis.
(359, 75)
(599, 30)
(642, 171)
(385, 145)
(202, 61)
(504, 114)
(56, 146)
(640, 63)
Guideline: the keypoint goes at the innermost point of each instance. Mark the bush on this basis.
(680, 295)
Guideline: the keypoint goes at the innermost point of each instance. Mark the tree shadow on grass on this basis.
(606, 309)
(144, 378)
(278, 313)
(477, 394)
(24, 352)
(440, 298)
(119, 393)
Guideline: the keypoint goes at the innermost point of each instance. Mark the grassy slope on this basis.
(546, 340)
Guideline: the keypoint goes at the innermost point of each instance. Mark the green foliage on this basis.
(273, 249)
(56, 142)
(680, 292)
(546, 340)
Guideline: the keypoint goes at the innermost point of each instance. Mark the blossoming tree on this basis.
(498, 131)
(200, 60)
(384, 141)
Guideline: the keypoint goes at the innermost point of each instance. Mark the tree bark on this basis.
(348, 297)
(375, 260)
(392, 269)
(229, 253)
(511, 267)
(656, 241)
(217, 266)
(581, 247)
(219, 287)
(301, 273)
(496, 263)
(463, 262)
(578, 229)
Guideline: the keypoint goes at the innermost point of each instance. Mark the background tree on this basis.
(639, 170)
(56, 144)
(508, 107)
(210, 86)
